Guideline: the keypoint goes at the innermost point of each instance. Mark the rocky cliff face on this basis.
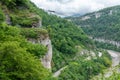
(36, 22)
(45, 40)
(46, 60)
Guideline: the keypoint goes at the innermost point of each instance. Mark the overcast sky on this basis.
(71, 7)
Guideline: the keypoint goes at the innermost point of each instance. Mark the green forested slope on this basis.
(101, 24)
(19, 59)
(64, 36)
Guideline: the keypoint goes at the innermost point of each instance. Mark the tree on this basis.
(17, 60)
(17, 64)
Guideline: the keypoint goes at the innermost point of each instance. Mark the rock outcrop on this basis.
(85, 18)
(7, 16)
(45, 40)
(37, 23)
(46, 60)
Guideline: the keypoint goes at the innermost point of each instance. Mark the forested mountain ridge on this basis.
(101, 24)
(23, 27)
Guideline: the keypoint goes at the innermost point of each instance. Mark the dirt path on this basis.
(57, 73)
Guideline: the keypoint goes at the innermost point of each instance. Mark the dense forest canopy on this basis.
(20, 59)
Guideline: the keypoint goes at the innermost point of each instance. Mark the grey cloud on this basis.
(64, 1)
(72, 7)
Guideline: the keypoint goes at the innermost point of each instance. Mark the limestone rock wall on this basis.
(46, 60)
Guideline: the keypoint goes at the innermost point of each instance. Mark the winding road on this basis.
(115, 57)
(115, 61)
(108, 72)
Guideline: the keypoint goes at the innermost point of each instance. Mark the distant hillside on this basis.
(101, 24)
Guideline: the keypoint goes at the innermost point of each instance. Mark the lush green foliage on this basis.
(23, 18)
(34, 32)
(17, 63)
(2, 16)
(19, 59)
(14, 3)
